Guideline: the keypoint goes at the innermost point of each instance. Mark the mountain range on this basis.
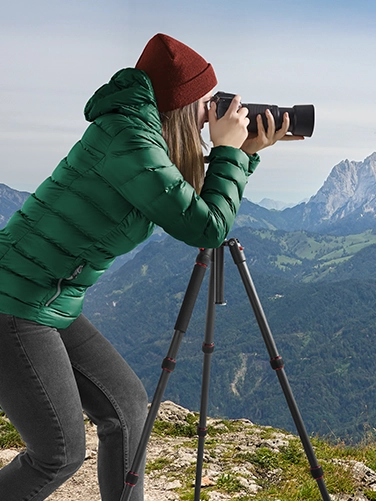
(313, 268)
(344, 205)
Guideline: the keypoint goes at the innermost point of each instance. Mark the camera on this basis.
(302, 116)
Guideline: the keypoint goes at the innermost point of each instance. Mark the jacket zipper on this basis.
(76, 272)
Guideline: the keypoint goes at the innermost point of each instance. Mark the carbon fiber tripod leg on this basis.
(168, 365)
(277, 364)
(215, 296)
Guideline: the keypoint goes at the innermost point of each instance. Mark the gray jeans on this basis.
(46, 378)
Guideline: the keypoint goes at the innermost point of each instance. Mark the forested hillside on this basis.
(325, 331)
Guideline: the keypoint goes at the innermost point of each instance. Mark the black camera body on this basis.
(302, 116)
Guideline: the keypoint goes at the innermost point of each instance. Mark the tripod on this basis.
(215, 296)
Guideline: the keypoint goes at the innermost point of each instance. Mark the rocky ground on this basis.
(171, 460)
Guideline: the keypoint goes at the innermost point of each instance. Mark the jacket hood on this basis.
(127, 88)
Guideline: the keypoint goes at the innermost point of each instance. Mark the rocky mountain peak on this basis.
(349, 188)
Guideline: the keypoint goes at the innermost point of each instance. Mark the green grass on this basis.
(171, 429)
(9, 436)
(282, 474)
(157, 465)
(229, 483)
(189, 428)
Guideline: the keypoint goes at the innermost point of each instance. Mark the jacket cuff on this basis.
(229, 154)
(237, 156)
(254, 160)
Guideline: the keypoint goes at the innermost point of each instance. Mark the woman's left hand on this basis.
(263, 139)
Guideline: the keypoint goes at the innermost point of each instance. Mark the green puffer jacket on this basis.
(104, 198)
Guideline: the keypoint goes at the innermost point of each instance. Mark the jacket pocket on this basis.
(76, 272)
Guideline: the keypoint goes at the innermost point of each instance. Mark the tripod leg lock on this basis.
(168, 364)
(277, 363)
(208, 348)
(131, 478)
(317, 472)
(202, 432)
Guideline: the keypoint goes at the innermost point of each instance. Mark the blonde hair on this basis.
(182, 135)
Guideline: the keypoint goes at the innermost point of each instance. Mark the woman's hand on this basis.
(231, 129)
(263, 139)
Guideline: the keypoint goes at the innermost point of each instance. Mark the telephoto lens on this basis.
(302, 116)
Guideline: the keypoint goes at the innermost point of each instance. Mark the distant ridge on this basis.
(10, 201)
(270, 204)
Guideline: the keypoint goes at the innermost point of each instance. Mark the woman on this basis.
(138, 164)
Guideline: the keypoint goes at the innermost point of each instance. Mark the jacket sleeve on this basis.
(145, 176)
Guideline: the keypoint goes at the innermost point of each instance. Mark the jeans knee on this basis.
(74, 462)
(137, 411)
(59, 466)
(126, 415)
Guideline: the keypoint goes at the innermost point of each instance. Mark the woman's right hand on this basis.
(231, 129)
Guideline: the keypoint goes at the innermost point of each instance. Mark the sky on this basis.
(55, 54)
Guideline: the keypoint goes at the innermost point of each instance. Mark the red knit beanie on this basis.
(179, 75)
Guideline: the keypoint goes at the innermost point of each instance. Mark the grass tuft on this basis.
(9, 436)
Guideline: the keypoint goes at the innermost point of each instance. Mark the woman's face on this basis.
(203, 104)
